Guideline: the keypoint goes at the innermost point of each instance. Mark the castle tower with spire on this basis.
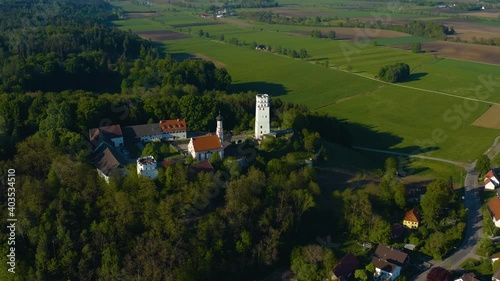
(262, 116)
(220, 131)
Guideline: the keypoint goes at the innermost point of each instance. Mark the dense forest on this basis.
(71, 72)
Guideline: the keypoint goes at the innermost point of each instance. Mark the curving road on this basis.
(472, 204)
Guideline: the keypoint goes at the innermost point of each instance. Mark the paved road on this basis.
(473, 231)
(472, 203)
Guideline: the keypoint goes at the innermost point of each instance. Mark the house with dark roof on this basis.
(344, 268)
(470, 276)
(411, 219)
(388, 262)
(491, 180)
(496, 276)
(110, 134)
(164, 130)
(494, 208)
(108, 161)
(201, 148)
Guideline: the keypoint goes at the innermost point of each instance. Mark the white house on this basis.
(386, 270)
(494, 208)
(147, 166)
(388, 262)
(201, 148)
(490, 180)
(110, 134)
(165, 130)
(262, 116)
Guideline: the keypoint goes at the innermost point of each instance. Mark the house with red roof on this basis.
(112, 135)
(490, 180)
(201, 148)
(494, 208)
(411, 219)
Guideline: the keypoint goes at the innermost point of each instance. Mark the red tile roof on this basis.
(206, 143)
(108, 132)
(489, 174)
(173, 125)
(494, 207)
(204, 166)
(412, 215)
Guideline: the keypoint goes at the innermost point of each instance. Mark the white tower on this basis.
(147, 166)
(219, 131)
(262, 116)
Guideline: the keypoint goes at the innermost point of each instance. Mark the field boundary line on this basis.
(460, 164)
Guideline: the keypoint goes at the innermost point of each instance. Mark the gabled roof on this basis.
(412, 216)
(384, 265)
(346, 266)
(97, 135)
(173, 125)
(390, 255)
(206, 143)
(494, 207)
(489, 175)
(204, 166)
(106, 159)
(470, 276)
(138, 131)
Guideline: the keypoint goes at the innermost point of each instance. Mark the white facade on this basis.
(384, 275)
(203, 155)
(490, 186)
(496, 222)
(220, 131)
(262, 116)
(180, 135)
(147, 166)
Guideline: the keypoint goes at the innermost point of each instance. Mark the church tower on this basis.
(262, 116)
(220, 131)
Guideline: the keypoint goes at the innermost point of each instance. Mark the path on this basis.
(473, 231)
(463, 165)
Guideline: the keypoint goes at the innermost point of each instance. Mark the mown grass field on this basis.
(383, 116)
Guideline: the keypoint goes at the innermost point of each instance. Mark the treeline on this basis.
(302, 53)
(63, 116)
(418, 28)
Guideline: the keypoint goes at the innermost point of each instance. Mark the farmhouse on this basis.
(261, 47)
(491, 180)
(107, 161)
(109, 134)
(494, 208)
(165, 130)
(344, 268)
(147, 166)
(411, 219)
(388, 262)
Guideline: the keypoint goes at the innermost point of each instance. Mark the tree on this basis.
(312, 262)
(394, 73)
(331, 34)
(200, 33)
(439, 274)
(360, 274)
(303, 201)
(437, 197)
(483, 164)
(416, 47)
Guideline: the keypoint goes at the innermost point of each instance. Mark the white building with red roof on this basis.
(494, 208)
(490, 180)
(201, 148)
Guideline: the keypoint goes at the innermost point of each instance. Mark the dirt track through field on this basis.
(161, 35)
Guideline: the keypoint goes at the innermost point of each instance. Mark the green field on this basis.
(382, 116)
